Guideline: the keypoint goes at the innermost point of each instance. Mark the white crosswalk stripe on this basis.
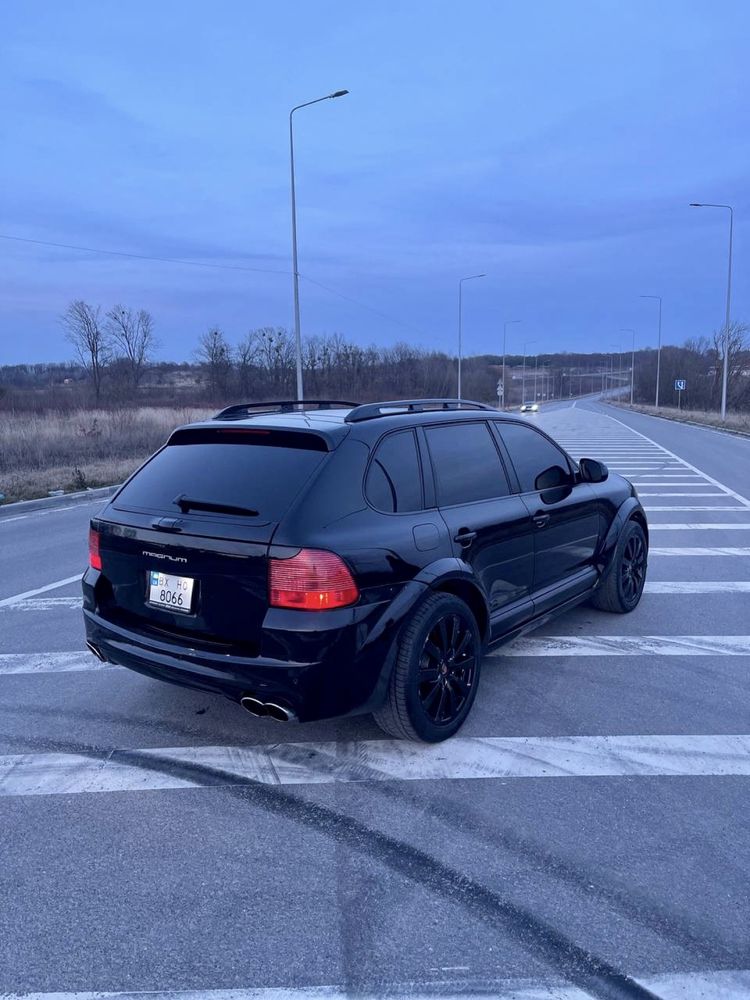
(700, 526)
(697, 587)
(44, 604)
(697, 552)
(724, 984)
(373, 760)
(48, 663)
(627, 645)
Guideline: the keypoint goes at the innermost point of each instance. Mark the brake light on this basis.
(95, 558)
(312, 580)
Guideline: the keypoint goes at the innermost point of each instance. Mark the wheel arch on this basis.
(630, 510)
(471, 595)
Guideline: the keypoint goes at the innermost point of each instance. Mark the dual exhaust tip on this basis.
(96, 651)
(267, 709)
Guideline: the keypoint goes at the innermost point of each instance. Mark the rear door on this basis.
(490, 528)
(196, 522)
(565, 518)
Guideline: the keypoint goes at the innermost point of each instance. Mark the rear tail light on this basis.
(95, 558)
(312, 580)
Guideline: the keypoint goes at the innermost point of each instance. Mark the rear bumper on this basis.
(329, 672)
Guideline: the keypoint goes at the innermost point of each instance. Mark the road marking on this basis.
(44, 604)
(737, 496)
(698, 552)
(49, 663)
(726, 984)
(675, 482)
(698, 587)
(656, 507)
(660, 494)
(626, 645)
(6, 601)
(373, 760)
(699, 526)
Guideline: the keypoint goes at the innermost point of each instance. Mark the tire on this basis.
(431, 689)
(622, 587)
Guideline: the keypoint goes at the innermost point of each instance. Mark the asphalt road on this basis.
(587, 835)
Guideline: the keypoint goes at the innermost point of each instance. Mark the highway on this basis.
(586, 835)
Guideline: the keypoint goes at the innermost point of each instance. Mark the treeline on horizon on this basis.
(115, 366)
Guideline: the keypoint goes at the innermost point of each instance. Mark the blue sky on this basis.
(553, 145)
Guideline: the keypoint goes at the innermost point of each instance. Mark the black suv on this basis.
(320, 559)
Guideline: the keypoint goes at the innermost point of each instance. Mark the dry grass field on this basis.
(72, 451)
(734, 422)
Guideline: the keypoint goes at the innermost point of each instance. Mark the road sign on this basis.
(680, 384)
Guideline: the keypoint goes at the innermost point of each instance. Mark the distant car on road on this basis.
(324, 559)
(529, 407)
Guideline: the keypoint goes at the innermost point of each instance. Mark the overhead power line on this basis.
(141, 256)
(220, 267)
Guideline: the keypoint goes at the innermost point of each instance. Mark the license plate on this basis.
(173, 592)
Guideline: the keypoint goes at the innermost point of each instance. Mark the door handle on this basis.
(540, 520)
(465, 537)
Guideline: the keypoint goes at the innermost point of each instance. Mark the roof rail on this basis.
(239, 410)
(394, 407)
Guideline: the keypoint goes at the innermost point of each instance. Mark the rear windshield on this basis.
(239, 471)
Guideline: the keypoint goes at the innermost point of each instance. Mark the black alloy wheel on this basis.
(435, 675)
(622, 586)
(633, 568)
(447, 668)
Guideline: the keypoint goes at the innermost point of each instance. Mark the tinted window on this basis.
(530, 452)
(394, 483)
(261, 476)
(466, 462)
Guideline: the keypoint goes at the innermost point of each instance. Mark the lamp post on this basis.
(628, 329)
(725, 373)
(469, 277)
(506, 324)
(295, 271)
(658, 349)
(523, 370)
(618, 345)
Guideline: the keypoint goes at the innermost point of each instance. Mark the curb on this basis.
(690, 423)
(51, 503)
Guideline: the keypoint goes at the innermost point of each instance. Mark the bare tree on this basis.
(133, 333)
(90, 339)
(215, 354)
(247, 357)
(736, 343)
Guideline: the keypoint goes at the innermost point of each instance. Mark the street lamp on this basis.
(523, 370)
(460, 311)
(506, 324)
(618, 345)
(295, 272)
(725, 374)
(658, 350)
(628, 329)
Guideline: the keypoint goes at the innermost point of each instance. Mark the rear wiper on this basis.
(189, 503)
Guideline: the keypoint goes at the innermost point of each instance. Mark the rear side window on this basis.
(466, 462)
(248, 472)
(530, 452)
(394, 482)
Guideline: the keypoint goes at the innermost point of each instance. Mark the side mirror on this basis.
(592, 471)
(552, 478)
